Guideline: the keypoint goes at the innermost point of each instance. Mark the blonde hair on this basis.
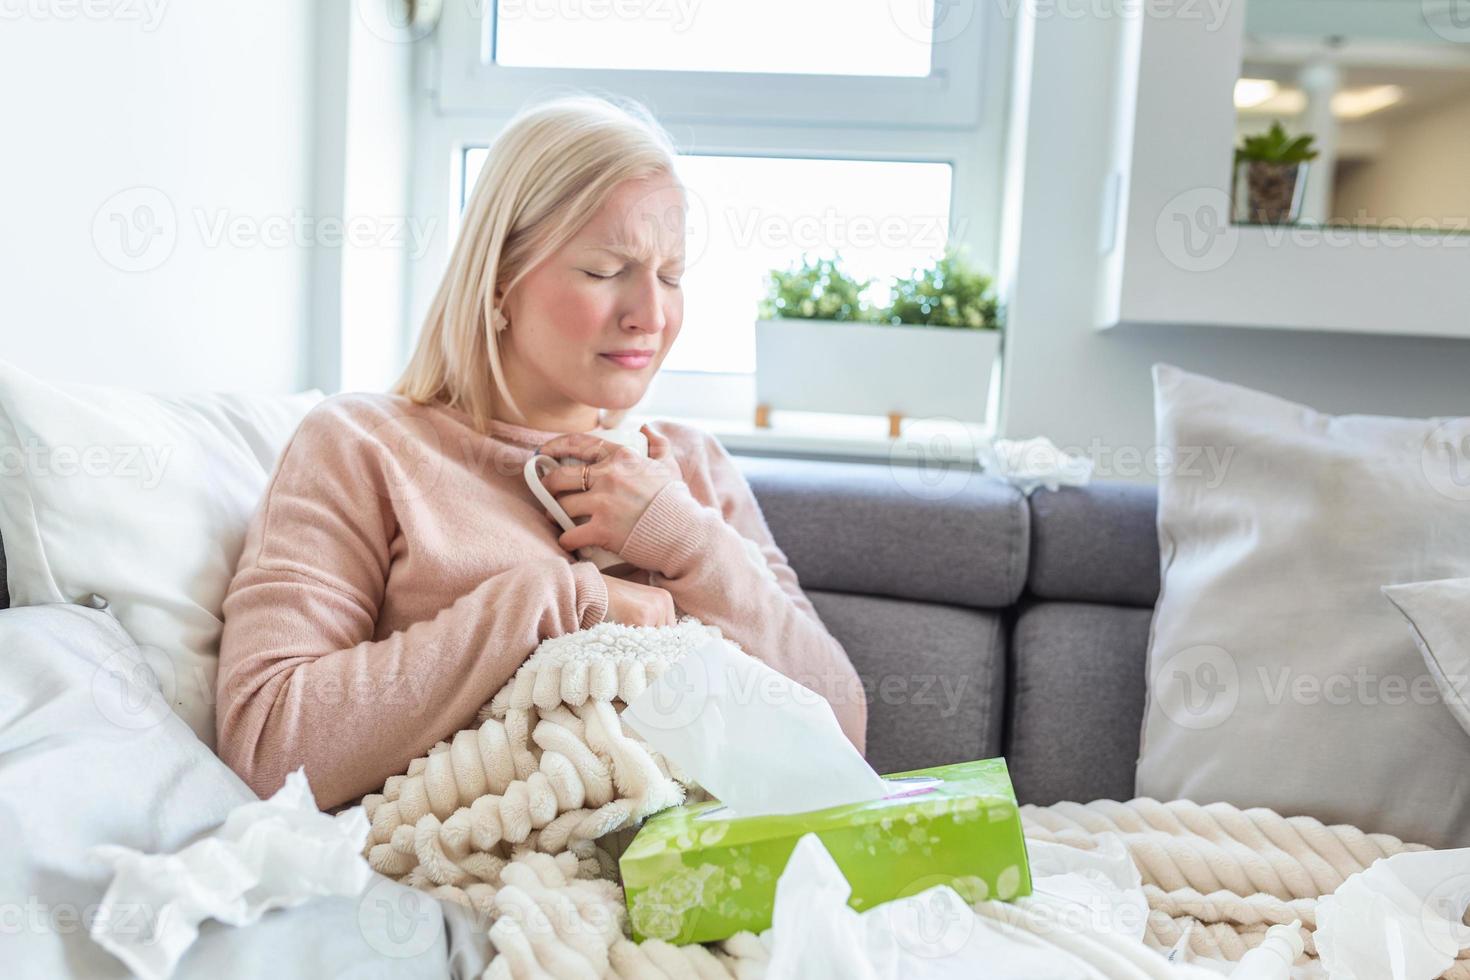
(555, 163)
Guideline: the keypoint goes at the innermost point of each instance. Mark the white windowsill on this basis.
(820, 436)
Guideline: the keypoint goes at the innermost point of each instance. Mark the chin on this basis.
(619, 398)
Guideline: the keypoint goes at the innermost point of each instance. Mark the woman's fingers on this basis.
(659, 447)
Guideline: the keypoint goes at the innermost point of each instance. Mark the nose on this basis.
(645, 311)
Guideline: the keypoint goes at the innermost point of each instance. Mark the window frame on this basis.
(464, 101)
(950, 96)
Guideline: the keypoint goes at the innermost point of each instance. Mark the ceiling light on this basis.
(1355, 103)
(1251, 92)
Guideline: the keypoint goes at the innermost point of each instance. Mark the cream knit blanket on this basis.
(522, 818)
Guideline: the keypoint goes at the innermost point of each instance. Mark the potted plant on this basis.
(820, 346)
(1274, 166)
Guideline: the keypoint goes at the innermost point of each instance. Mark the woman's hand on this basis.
(621, 484)
(638, 605)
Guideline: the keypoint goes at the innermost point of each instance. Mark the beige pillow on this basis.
(1279, 675)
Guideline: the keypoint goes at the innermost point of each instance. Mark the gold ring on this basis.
(585, 468)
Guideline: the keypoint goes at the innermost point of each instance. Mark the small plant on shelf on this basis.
(1275, 146)
(1274, 166)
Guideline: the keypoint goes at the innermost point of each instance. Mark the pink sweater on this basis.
(398, 571)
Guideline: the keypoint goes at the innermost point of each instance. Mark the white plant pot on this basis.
(870, 369)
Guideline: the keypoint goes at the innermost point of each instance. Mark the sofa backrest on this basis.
(1026, 617)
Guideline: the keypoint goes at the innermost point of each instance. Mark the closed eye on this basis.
(596, 276)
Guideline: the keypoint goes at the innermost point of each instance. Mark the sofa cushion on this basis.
(1076, 701)
(1095, 543)
(934, 676)
(870, 528)
(1279, 675)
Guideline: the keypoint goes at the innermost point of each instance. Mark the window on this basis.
(818, 37)
(865, 128)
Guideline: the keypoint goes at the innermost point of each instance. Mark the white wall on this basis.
(202, 103)
(1420, 171)
(1085, 388)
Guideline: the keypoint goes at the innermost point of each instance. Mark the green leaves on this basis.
(948, 293)
(1274, 146)
(818, 290)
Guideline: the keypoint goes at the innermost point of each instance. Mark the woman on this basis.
(398, 570)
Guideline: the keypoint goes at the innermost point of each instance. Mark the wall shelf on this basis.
(1172, 256)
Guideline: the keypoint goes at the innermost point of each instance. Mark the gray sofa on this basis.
(983, 622)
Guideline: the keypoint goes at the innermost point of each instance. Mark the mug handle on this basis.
(533, 480)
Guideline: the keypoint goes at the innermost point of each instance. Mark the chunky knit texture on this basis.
(522, 817)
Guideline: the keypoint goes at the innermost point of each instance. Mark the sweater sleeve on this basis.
(722, 565)
(303, 679)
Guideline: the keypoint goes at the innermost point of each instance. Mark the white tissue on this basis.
(1398, 920)
(274, 853)
(935, 935)
(1033, 463)
(757, 740)
(1101, 888)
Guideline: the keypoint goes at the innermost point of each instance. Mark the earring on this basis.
(498, 320)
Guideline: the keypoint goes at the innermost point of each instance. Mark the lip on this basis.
(630, 359)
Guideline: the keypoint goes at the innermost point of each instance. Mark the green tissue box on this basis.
(693, 876)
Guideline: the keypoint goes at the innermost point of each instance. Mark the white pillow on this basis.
(89, 755)
(143, 499)
(1439, 621)
(1279, 674)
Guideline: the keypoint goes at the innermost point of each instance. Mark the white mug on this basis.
(538, 466)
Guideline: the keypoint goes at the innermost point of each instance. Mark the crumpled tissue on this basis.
(1081, 922)
(1400, 919)
(1032, 463)
(758, 741)
(274, 853)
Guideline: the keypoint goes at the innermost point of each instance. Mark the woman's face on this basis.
(591, 324)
